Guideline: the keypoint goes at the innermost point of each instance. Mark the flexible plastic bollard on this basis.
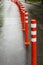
(14, 1)
(33, 42)
(19, 3)
(21, 11)
(23, 17)
(27, 42)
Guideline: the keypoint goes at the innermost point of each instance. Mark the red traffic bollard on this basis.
(27, 42)
(23, 17)
(33, 42)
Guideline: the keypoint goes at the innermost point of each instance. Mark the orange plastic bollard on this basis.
(23, 20)
(33, 42)
(14, 1)
(19, 3)
(23, 17)
(27, 42)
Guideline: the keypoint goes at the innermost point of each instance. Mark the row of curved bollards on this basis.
(24, 20)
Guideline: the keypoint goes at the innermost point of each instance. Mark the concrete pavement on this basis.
(12, 48)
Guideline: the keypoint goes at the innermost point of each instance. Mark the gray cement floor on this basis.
(12, 48)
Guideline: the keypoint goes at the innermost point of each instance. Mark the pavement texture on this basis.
(12, 48)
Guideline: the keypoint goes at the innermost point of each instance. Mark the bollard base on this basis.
(27, 43)
(23, 29)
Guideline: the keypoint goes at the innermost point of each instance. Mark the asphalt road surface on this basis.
(36, 12)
